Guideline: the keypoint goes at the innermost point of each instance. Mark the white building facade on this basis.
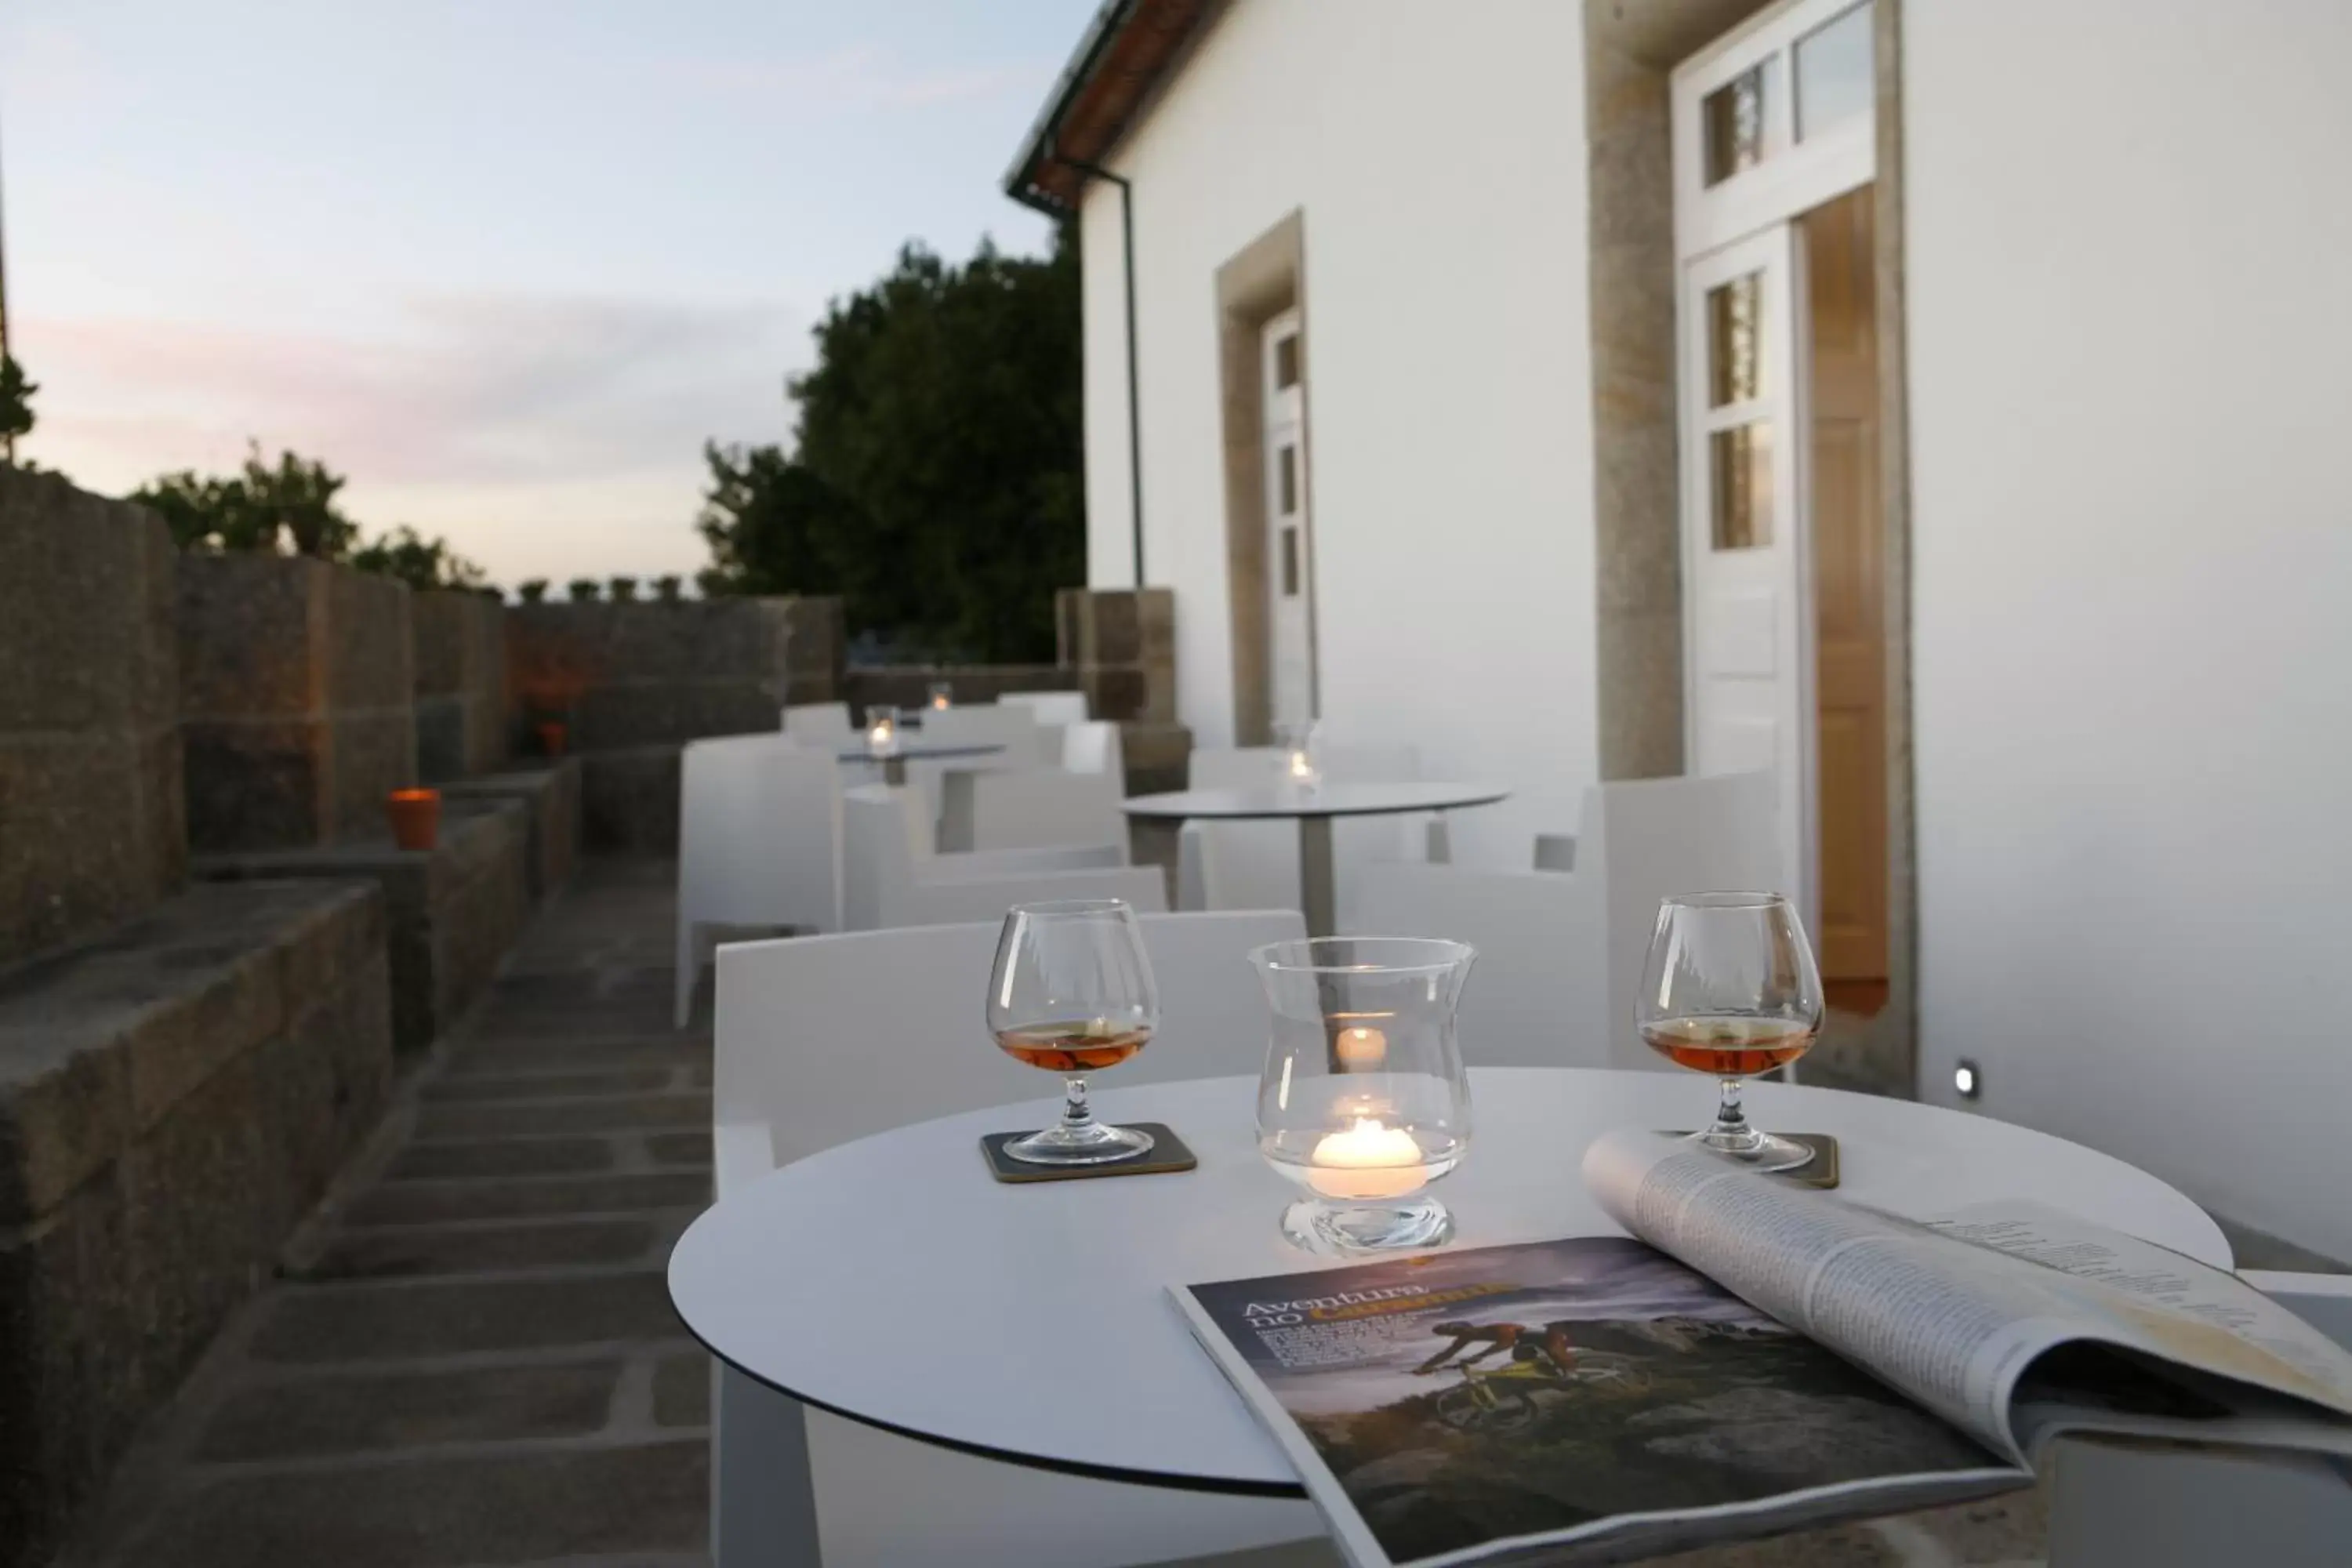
(2100, 554)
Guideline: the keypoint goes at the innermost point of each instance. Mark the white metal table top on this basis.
(1326, 799)
(891, 1280)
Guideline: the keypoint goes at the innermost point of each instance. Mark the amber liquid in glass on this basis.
(1729, 1047)
(1082, 1047)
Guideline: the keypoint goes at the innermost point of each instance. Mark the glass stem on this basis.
(1730, 1118)
(1076, 1112)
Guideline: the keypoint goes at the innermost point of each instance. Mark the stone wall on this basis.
(633, 682)
(461, 683)
(297, 691)
(173, 1101)
(550, 797)
(450, 912)
(92, 827)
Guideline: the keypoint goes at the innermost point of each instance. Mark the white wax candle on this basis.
(1368, 1161)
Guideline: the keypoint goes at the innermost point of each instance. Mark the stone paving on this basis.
(470, 1357)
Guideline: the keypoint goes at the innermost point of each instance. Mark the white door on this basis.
(1746, 609)
(1770, 122)
(1289, 564)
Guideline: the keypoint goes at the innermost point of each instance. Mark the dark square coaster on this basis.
(1168, 1153)
(1821, 1171)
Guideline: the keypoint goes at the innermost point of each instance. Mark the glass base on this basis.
(1087, 1143)
(1760, 1152)
(1350, 1230)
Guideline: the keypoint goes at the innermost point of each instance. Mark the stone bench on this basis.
(452, 911)
(174, 1098)
(549, 797)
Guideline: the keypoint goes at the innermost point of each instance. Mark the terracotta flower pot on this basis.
(551, 737)
(415, 817)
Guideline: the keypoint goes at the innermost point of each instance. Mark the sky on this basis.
(506, 264)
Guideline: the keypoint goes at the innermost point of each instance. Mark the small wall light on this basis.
(1968, 1081)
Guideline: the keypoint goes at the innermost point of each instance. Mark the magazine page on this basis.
(1958, 1327)
(2232, 1328)
(1570, 1401)
(1876, 1290)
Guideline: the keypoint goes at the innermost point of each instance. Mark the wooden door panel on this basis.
(1849, 586)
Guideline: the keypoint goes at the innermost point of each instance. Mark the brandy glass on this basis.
(1363, 1102)
(1072, 993)
(1731, 990)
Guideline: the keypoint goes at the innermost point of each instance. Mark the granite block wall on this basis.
(173, 1098)
(461, 683)
(92, 824)
(297, 700)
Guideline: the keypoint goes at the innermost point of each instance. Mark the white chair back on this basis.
(1095, 747)
(1030, 808)
(1014, 728)
(785, 1007)
(1560, 953)
(760, 843)
(1050, 706)
(891, 875)
(822, 725)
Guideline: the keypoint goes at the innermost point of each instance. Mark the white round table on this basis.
(892, 1281)
(894, 760)
(1314, 808)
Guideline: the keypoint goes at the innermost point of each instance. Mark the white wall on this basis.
(1437, 153)
(2131, 381)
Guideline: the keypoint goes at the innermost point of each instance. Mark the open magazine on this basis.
(1763, 1356)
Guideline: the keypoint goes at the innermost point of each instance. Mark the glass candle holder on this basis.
(1363, 1102)
(1299, 767)
(882, 730)
(942, 696)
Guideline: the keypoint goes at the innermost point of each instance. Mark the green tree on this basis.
(935, 478)
(419, 561)
(16, 399)
(261, 507)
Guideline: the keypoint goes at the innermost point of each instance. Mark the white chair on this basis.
(804, 1488)
(892, 876)
(820, 724)
(1050, 706)
(2187, 1508)
(1014, 728)
(759, 844)
(1095, 747)
(1560, 953)
(1025, 808)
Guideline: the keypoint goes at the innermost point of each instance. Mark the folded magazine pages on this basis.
(1780, 1357)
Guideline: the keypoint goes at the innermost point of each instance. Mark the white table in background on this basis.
(890, 1281)
(894, 760)
(1314, 809)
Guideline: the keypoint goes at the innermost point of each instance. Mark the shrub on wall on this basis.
(585, 590)
(531, 590)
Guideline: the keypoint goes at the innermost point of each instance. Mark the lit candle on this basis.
(1368, 1161)
(938, 700)
(881, 736)
(1360, 1045)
